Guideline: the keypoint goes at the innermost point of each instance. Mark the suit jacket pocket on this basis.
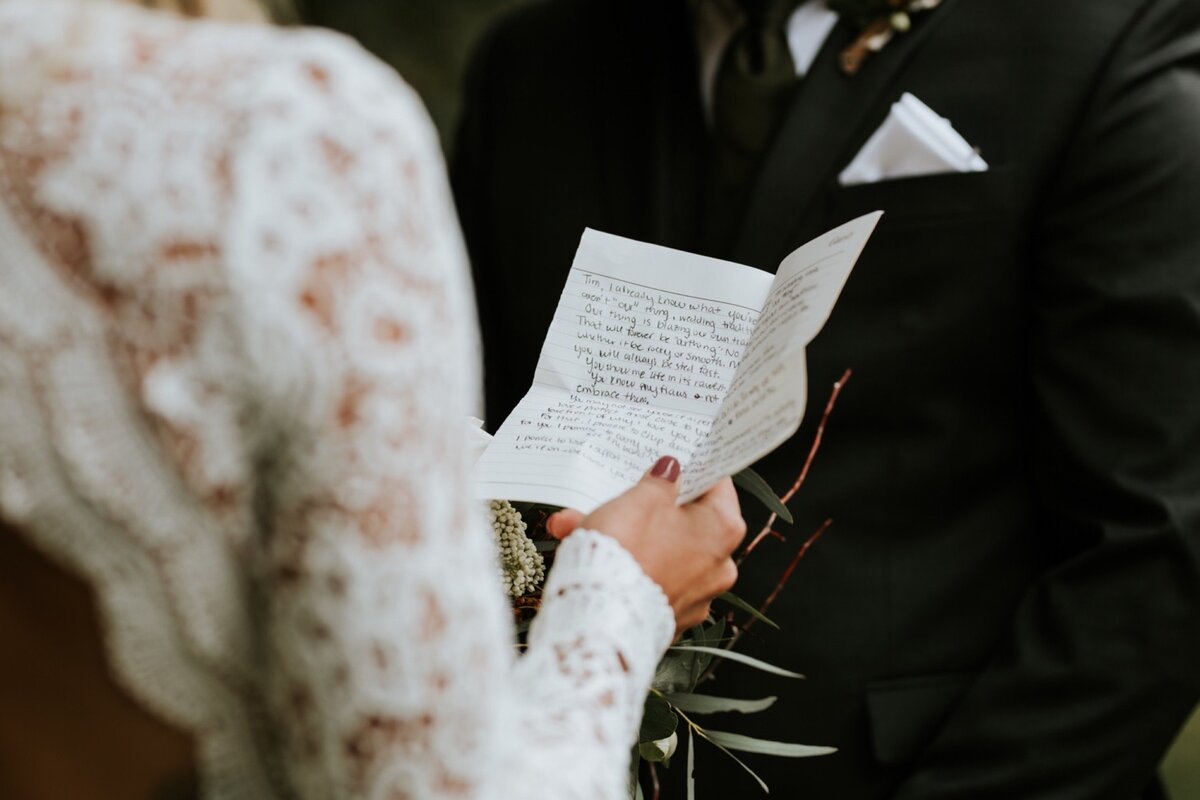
(927, 199)
(906, 713)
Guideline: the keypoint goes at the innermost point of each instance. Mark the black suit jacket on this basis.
(1007, 603)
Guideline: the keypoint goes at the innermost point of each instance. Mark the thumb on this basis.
(562, 524)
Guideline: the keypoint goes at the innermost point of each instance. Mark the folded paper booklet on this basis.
(654, 352)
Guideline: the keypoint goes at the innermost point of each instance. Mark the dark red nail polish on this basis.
(666, 468)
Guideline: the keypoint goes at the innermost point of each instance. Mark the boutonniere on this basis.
(879, 22)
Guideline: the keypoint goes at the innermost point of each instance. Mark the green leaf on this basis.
(742, 659)
(749, 744)
(766, 789)
(691, 766)
(710, 636)
(650, 752)
(546, 546)
(659, 751)
(635, 786)
(737, 602)
(678, 672)
(707, 704)
(754, 483)
(658, 720)
(674, 672)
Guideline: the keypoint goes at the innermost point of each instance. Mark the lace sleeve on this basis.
(390, 666)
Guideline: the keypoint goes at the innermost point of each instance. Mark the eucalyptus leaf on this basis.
(709, 635)
(737, 602)
(708, 704)
(658, 720)
(704, 636)
(679, 671)
(766, 789)
(691, 766)
(649, 751)
(740, 658)
(634, 786)
(749, 744)
(754, 483)
(659, 751)
(674, 672)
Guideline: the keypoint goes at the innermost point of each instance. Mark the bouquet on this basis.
(676, 694)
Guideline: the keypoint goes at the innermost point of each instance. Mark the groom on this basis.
(1008, 602)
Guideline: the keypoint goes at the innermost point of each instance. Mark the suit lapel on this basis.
(831, 116)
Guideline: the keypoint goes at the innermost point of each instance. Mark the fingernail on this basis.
(666, 468)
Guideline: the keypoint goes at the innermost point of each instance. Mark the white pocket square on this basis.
(912, 141)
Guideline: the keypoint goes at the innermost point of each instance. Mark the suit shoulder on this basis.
(1113, 19)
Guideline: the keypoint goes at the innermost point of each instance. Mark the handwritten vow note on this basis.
(654, 352)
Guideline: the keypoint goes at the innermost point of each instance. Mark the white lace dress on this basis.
(236, 352)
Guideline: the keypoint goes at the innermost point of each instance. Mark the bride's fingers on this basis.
(722, 501)
(721, 495)
(562, 524)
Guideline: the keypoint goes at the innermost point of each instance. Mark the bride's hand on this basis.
(685, 549)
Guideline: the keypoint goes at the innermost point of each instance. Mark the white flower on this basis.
(521, 565)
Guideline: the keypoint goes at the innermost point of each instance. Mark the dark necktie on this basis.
(754, 82)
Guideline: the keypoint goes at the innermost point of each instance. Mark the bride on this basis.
(236, 352)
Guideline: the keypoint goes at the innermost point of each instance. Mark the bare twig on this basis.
(764, 533)
(816, 445)
(655, 787)
(783, 580)
(787, 574)
(768, 528)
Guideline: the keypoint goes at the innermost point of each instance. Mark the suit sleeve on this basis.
(1101, 666)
